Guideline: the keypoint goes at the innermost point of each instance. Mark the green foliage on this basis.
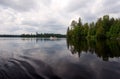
(104, 28)
(115, 29)
(100, 33)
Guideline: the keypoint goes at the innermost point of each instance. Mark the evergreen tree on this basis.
(103, 28)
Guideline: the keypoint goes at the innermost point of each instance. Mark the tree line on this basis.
(42, 35)
(104, 28)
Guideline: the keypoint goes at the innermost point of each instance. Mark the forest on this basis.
(104, 28)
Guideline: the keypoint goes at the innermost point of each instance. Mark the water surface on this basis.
(36, 58)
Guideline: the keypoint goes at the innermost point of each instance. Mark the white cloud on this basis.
(30, 16)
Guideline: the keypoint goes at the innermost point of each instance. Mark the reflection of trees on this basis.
(40, 39)
(77, 46)
(104, 49)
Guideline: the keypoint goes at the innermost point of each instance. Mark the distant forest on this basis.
(45, 35)
(104, 28)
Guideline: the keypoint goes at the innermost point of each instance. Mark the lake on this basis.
(40, 58)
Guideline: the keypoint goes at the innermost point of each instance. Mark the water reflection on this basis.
(104, 49)
(19, 69)
(41, 39)
(26, 58)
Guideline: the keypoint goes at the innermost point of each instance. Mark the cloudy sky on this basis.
(46, 16)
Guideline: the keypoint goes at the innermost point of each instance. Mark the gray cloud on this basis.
(30, 16)
(48, 26)
(49, 23)
(76, 5)
(111, 6)
(46, 2)
(19, 5)
(31, 23)
(111, 2)
(92, 9)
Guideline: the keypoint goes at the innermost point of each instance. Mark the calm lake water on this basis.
(35, 58)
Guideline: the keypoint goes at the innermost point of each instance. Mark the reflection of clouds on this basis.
(74, 71)
(59, 60)
(87, 69)
(115, 59)
(28, 68)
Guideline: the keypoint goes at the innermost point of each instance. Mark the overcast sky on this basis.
(51, 16)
